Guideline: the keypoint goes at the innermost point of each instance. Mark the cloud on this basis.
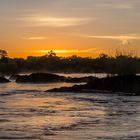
(124, 6)
(34, 38)
(129, 37)
(54, 21)
(118, 5)
(124, 39)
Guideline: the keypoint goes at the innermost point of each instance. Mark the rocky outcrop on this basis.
(48, 78)
(127, 84)
(4, 80)
(14, 77)
(40, 78)
(81, 79)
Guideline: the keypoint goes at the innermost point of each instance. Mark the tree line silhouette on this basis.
(121, 64)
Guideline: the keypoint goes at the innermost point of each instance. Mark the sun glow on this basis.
(70, 51)
(59, 51)
(93, 52)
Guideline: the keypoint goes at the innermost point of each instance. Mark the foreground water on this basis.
(27, 112)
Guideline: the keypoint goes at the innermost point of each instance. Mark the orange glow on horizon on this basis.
(61, 53)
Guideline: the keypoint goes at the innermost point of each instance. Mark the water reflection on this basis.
(27, 112)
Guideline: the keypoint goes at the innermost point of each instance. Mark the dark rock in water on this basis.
(127, 84)
(4, 80)
(75, 88)
(81, 79)
(47, 78)
(14, 77)
(40, 78)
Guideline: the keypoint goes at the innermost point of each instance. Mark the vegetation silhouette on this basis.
(121, 64)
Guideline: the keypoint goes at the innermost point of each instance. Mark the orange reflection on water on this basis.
(55, 111)
(36, 102)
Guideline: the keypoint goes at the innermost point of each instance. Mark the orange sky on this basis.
(69, 27)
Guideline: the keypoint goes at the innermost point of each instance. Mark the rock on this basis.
(75, 88)
(48, 78)
(40, 78)
(81, 79)
(4, 80)
(14, 77)
(127, 84)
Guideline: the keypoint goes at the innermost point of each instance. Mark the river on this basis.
(27, 112)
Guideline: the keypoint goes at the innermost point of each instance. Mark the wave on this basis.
(9, 93)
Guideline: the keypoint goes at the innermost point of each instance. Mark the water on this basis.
(28, 112)
(99, 75)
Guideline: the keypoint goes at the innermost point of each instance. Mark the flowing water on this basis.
(28, 112)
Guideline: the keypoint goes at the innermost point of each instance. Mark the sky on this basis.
(69, 27)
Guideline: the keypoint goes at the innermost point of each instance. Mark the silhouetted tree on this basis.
(51, 53)
(120, 64)
(3, 54)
